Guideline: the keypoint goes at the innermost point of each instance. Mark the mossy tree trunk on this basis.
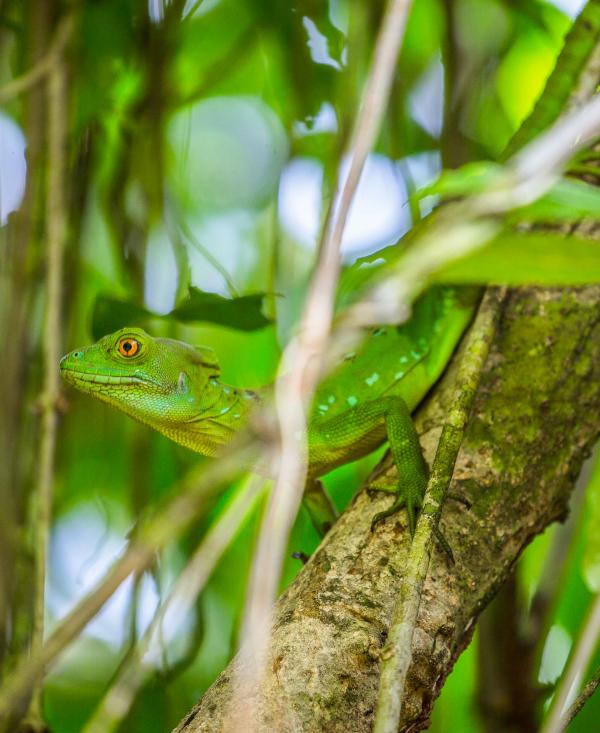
(535, 420)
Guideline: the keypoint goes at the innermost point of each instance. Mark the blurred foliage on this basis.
(184, 120)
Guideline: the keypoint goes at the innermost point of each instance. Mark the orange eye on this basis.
(128, 347)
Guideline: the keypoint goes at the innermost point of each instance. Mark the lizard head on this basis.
(159, 381)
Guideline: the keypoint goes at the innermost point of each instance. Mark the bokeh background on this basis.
(203, 139)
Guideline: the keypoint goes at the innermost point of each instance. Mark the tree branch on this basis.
(397, 654)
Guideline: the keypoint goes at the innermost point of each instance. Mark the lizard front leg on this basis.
(361, 429)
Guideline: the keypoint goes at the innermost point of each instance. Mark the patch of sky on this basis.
(555, 654)
(160, 272)
(426, 101)
(318, 45)
(199, 7)
(324, 121)
(421, 169)
(571, 7)
(228, 237)
(13, 167)
(368, 265)
(228, 153)
(379, 214)
(339, 15)
(156, 10)
(82, 549)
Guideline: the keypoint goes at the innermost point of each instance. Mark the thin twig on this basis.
(56, 218)
(556, 563)
(582, 698)
(301, 364)
(44, 66)
(556, 720)
(118, 699)
(397, 653)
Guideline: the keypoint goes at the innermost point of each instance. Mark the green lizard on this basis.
(176, 389)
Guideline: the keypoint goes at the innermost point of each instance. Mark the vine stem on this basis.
(45, 66)
(56, 218)
(397, 653)
(582, 698)
(558, 716)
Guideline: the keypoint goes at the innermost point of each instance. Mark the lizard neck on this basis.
(222, 411)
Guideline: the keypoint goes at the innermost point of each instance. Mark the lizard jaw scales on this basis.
(77, 376)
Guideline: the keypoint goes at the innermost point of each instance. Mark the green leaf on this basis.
(111, 314)
(590, 563)
(469, 179)
(243, 313)
(533, 258)
(568, 200)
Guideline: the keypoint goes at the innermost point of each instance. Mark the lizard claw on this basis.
(460, 499)
(412, 500)
(444, 544)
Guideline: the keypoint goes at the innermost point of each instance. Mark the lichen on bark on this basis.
(533, 423)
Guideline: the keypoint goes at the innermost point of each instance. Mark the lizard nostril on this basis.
(72, 355)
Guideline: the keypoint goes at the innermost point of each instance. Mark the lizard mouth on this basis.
(77, 376)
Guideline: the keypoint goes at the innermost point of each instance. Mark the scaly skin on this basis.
(175, 389)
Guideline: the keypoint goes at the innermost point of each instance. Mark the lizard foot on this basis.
(412, 499)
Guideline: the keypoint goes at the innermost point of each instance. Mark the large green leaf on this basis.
(111, 314)
(243, 313)
(535, 258)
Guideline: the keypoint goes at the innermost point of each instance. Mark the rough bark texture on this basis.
(535, 418)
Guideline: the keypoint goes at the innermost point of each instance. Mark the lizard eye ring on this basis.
(128, 347)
